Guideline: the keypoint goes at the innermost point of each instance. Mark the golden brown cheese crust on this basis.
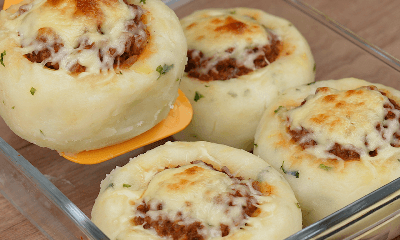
(229, 46)
(229, 26)
(238, 202)
(102, 41)
(345, 122)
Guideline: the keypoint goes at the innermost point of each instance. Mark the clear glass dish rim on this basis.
(329, 22)
(46, 188)
(320, 229)
(374, 201)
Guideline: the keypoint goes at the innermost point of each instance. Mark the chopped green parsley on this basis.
(143, 1)
(323, 166)
(293, 173)
(279, 108)
(255, 145)
(315, 67)
(162, 70)
(311, 83)
(33, 90)
(13, 107)
(197, 96)
(110, 185)
(1, 58)
(126, 185)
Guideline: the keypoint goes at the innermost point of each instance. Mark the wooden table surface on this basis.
(377, 21)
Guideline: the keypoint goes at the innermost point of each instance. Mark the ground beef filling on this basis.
(168, 228)
(176, 228)
(392, 110)
(50, 44)
(230, 67)
(303, 138)
(392, 113)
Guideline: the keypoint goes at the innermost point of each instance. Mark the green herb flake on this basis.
(255, 145)
(293, 173)
(1, 58)
(33, 90)
(197, 96)
(177, 79)
(326, 168)
(120, 72)
(206, 85)
(110, 185)
(143, 1)
(41, 132)
(283, 170)
(311, 83)
(13, 107)
(279, 108)
(315, 67)
(298, 205)
(233, 12)
(194, 135)
(126, 185)
(162, 70)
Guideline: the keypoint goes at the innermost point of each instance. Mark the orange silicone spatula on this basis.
(178, 118)
(8, 3)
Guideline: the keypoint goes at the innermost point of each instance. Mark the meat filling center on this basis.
(51, 51)
(212, 68)
(197, 207)
(385, 131)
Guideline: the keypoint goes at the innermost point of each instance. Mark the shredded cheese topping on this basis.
(362, 120)
(93, 34)
(198, 193)
(228, 36)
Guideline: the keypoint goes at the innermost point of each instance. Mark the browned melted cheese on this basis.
(184, 179)
(84, 35)
(197, 201)
(228, 46)
(231, 26)
(346, 124)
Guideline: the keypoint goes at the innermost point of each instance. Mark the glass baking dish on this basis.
(57, 195)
